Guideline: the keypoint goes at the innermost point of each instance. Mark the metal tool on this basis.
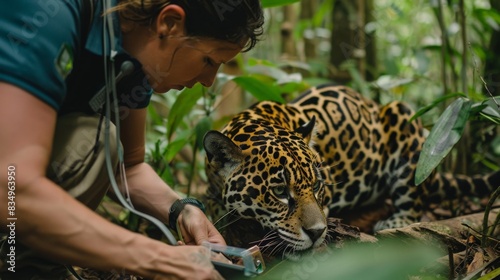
(251, 258)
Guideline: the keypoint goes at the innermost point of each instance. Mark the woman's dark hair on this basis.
(235, 21)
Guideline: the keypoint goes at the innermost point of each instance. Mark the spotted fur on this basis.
(284, 168)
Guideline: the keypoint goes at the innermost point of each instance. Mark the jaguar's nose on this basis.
(314, 233)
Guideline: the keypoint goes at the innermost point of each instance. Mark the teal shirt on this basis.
(42, 51)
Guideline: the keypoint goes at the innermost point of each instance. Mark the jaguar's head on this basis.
(270, 175)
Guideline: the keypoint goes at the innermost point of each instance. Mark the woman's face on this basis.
(172, 60)
(181, 62)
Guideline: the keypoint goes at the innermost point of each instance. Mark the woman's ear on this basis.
(171, 21)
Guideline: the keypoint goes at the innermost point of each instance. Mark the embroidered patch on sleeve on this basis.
(64, 61)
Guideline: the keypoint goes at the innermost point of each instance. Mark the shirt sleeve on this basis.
(37, 46)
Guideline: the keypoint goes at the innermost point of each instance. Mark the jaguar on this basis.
(276, 172)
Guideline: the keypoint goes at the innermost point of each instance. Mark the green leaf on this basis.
(387, 82)
(183, 105)
(357, 78)
(275, 3)
(133, 222)
(386, 259)
(270, 71)
(494, 120)
(491, 275)
(292, 87)
(254, 61)
(154, 116)
(487, 17)
(493, 108)
(259, 89)
(203, 126)
(175, 147)
(487, 109)
(435, 103)
(325, 7)
(443, 136)
(168, 176)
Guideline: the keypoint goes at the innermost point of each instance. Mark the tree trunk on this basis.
(288, 46)
(370, 45)
(349, 40)
(307, 10)
(492, 67)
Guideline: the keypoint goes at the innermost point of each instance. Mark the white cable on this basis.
(111, 89)
(112, 76)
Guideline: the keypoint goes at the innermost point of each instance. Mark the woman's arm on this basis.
(148, 191)
(52, 222)
(48, 219)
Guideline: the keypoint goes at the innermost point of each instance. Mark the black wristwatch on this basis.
(177, 207)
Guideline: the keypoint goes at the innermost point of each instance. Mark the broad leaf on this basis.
(259, 89)
(443, 136)
(387, 82)
(184, 103)
(435, 103)
(270, 71)
(493, 107)
(275, 3)
(488, 109)
(174, 147)
(203, 126)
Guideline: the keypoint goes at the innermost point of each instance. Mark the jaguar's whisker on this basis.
(288, 247)
(268, 236)
(270, 246)
(278, 247)
(223, 216)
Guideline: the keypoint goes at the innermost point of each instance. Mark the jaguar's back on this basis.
(366, 149)
(288, 166)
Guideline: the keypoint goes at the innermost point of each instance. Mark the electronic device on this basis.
(251, 263)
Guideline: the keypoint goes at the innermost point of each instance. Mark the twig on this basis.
(479, 233)
(495, 224)
(492, 199)
(476, 69)
(451, 264)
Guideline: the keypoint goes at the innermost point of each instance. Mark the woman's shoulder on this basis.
(38, 51)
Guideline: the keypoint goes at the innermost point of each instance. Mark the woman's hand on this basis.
(151, 194)
(184, 262)
(196, 228)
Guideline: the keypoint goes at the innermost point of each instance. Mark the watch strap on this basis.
(177, 208)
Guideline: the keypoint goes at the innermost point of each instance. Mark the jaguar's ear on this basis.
(306, 130)
(222, 153)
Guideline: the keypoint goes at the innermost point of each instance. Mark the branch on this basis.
(464, 47)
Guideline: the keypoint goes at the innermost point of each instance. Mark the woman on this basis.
(55, 58)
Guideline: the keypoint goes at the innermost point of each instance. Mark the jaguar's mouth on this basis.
(276, 243)
(272, 242)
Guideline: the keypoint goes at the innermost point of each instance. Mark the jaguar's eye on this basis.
(280, 191)
(317, 186)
